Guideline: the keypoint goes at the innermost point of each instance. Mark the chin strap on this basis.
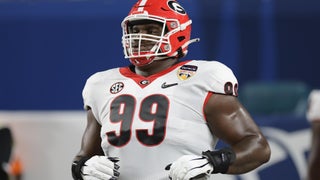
(179, 53)
(190, 41)
(159, 58)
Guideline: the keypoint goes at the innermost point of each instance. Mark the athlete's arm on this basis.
(91, 141)
(314, 157)
(231, 122)
(313, 116)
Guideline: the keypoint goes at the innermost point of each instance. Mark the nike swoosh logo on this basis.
(165, 85)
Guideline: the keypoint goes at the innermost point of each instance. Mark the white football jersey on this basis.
(149, 122)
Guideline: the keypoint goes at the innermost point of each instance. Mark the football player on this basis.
(160, 118)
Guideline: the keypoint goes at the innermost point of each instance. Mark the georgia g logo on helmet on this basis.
(176, 7)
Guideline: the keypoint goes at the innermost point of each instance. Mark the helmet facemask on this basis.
(141, 45)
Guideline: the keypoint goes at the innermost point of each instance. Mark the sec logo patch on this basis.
(116, 87)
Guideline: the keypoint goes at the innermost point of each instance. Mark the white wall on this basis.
(46, 141)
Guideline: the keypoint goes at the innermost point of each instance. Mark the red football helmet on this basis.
(175, 36)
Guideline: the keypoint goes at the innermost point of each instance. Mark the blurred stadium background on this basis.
(48, 48)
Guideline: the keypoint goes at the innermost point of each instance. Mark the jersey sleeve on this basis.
(221, 79)
(88, 95)
(313, 112)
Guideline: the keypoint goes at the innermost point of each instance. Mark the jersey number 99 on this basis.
(153, 109)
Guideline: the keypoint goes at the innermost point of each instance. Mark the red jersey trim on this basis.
(125, 71)
(205, 103)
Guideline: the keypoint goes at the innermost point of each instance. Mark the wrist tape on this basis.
(76, 168)
(220, 159)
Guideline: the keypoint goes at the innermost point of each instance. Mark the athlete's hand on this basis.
(100, 168)
(190, 167)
